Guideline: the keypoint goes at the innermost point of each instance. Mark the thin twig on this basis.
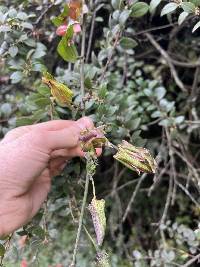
(155, 29)
(190, 262)
(168, 60)
(81, 219)
(43, 14)
(168, 200)
(133, 196)
(187, 193)
(194, 94)
(82, 62)
(157, 179)
(110, 56)
(191, 65)
(92, 31)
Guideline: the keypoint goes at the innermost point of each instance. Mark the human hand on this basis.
(29, 157)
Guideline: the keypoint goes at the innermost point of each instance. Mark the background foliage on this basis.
(141, 78)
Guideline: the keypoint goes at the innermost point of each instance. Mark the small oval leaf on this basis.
(139, 9)
(188, 7)
(182, 17)
(127, 43)
(153, 5)
(196, 26)
(168, 8)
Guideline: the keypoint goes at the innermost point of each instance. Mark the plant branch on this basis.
(83, 62)
(92, 31)
(190, 262)
(168, 60)
(81, 219)
(133, 196)
(43, 14)
(110, 56)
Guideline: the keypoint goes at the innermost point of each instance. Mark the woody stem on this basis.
(80, 223)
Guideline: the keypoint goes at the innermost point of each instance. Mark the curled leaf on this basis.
(97, 211)
(62, 94)
(135, 158)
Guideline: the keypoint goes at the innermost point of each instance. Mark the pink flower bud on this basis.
(61, 30)
(77, 28)
(24, 263)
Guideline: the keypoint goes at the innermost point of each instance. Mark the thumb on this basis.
(58, 139)
(68, 137)
(64, 138)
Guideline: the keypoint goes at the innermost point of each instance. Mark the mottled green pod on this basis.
(135, 158)
(102, 260)
(62, 94)
(97, 211)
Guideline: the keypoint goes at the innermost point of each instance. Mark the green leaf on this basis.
(182, 17)
(188, 7)
(168, 8)
(2, 250)
(195, 2)
(38, 66)
(153, 5)
(88, 83)
(134, 124)
(21, 121)
(165, 123)
(16, 76)
(38, 54)
(65, 12)
(44, 90)
(13, 50)
(127, 43)
(116, 4)
(196, 26)
(5, 28)
(67, 52)
(30, 42)
(22, 16)
(103, 91)
(160, 92)
(139, 9)
(38, 231)
(179, 119)
(27, 25)
(124, 16)
(57, 21)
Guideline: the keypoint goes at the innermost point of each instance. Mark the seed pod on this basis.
(62, 94)
(97, 211)
(135, 158)
(92, 139)
(102, 260)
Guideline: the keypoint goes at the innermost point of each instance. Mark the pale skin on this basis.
(29, 157)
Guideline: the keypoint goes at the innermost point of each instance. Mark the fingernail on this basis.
(85, 123)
